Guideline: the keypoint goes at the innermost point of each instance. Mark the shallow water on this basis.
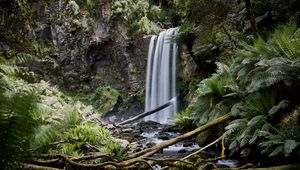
(181, 149)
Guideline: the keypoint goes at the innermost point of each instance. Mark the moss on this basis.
(163, 137)
(104, 98)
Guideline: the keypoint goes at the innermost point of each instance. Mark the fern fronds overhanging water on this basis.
(248, 89)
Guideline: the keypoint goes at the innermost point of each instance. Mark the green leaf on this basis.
(277, 151)
(282, 105)
(256, 120)
(289, 146)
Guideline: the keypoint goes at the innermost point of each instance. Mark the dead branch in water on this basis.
(150, 151)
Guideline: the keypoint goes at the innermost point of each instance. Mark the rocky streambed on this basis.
(142, 135)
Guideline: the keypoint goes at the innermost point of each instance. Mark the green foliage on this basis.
(216, 96)
(72, 136)
(268, 62)
(285, 140)
(71, 118)
(104, 98)
(114, 148)
(184, 119)
(283, 42)
(91, 6)
(248, 89)
(44, 138)
(88, 132)
(254, 113)
(17, 120)
(136, 14)
(69, 127)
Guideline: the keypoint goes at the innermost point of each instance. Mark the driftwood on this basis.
(170, 102)
(154, 149)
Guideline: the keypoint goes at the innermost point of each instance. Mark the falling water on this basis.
(161, 76)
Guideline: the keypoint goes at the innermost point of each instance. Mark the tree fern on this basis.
(266, 63)
(284, 141)
(274, 71)
(254, 112)
(216, 96)
(283, 42)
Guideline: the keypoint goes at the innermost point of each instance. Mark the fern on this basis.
(184, 119)
(254, 112)
(118, 153)
(216, 96)
(71, 118)
(283, 42)
(266, 63)
(284, 141)
(44, 138)
(17, 121)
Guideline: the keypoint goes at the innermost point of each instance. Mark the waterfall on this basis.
(161, 76)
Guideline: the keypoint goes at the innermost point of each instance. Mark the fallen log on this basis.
(139, 157)
(172, 162)
(150, 151)
(280, 167)
(202, 149)
(37, 167)
(170, 102)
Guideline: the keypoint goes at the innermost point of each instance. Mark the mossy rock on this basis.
(150, 144)
(163, 137)
(202, 138)
(105, 98)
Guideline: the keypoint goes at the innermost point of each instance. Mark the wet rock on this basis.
(187, 144)
(150, 144)
(110, 126)
(182, 151)
(127, 130)
(163, 137)
(112, 118)
(135, 147)
(124, 143)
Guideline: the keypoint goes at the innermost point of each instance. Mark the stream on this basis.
(143, 135)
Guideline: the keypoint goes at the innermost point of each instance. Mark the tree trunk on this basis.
(251, 16)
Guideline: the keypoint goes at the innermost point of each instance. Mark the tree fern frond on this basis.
(279, 149)
(289, 146)
(255, 120)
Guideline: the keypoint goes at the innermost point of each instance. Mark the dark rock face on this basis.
(95, 51)
(92, 50)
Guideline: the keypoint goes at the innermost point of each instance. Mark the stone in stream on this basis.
(127, 130)
(163, 137)
(150, 144)
(110, 126)
(182, 151)
(187, 144)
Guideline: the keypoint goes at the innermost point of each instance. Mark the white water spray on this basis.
(161, 76)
